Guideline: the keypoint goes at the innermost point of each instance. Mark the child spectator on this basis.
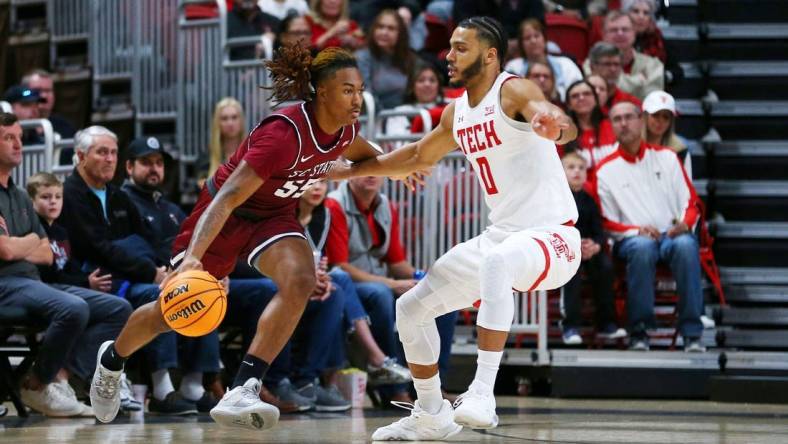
(47, 193)
(595, 262)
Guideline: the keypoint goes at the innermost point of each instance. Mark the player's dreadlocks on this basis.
(489, 30)
(296, 74)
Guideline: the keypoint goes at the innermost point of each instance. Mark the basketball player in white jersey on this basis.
(507, 131)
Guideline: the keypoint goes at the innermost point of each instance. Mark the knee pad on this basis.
(497, 309)
(417, 330)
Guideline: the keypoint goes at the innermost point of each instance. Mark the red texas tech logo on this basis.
(560, 246)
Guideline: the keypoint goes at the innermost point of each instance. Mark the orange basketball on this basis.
(193, 303)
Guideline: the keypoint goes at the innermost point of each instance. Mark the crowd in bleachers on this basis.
(81, 254)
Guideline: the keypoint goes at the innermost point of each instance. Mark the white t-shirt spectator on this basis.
(566, 71)
(282, 8)
(650, 188)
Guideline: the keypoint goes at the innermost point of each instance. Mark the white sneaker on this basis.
(476, 409)
(242, 407)
(420, 425)
(51, 401)
(105, 389)
(68, 391)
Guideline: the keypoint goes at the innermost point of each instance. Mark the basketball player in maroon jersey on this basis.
(248, 210)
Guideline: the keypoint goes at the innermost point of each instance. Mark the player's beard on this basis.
(468, 73)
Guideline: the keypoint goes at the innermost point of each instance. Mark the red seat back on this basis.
(570, 33)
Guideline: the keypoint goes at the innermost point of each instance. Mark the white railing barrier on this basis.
(35, 158)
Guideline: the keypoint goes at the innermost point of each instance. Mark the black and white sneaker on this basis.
(173, 404)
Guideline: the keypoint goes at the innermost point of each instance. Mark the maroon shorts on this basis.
(240, 237)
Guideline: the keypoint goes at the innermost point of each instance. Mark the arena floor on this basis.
(522, 420)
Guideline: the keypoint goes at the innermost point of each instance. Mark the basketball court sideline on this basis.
(523, 420)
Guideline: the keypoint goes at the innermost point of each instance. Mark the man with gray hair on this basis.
(107, 232)
(639, 74)
(604, 60)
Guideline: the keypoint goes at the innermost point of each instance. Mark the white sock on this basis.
(191, 386)
(428, 391)
(162, 384)
(487, 368)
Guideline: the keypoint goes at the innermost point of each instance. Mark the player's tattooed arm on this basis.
(416, 156)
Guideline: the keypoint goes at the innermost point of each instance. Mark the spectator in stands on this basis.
(76, 319)
(532, 47)
(649, 40)
(366, 244)
(581, 9)
(640, 74)
(24, 104)
(600, 88)
(604, 60)
(595, 262)
(247, 19)
(542, 74)
(41, 81)
(388, 60)
(332, 26)
(422, 92)
(281, 9)
(596, 139)
(228, 129)
(650, 208)
(294, 29)
(660, 128)
(317, 219)
(64, 273)
(108, 232)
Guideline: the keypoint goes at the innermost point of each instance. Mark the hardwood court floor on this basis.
(523, 420)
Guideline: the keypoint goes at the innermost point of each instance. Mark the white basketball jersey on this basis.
(523, 179)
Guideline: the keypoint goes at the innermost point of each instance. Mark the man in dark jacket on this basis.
(596, 263)
(107, 232)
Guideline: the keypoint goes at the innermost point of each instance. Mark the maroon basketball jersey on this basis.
(293, 161)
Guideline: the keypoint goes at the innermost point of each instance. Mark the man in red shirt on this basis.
(364, 241)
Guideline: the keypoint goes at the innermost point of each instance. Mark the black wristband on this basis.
(560, 135)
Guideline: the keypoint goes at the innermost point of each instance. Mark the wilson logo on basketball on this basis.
(176, 292)
(188, 310)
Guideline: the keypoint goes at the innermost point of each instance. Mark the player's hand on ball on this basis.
(188, 263)
(549, 124)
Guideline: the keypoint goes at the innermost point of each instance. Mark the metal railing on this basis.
(199, 81)
(69, 21)
(111, 41)
(35, 158)
(155, 59)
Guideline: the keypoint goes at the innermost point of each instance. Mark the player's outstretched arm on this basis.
(416, 156)
(547, 120)
(241, 184)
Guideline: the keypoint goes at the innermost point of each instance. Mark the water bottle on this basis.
(419, 274)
